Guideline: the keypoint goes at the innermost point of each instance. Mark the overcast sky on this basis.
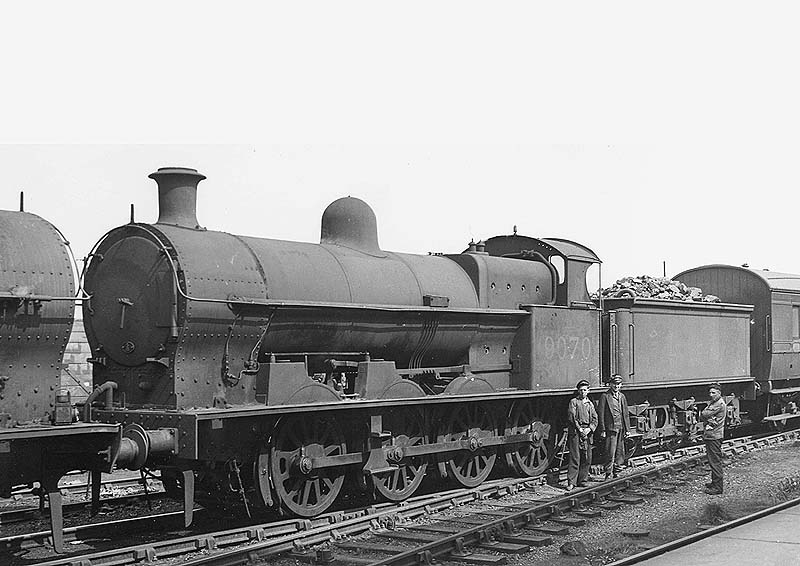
(649, 134)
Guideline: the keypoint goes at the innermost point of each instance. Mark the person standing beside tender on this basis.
(612, 425)
(714, 418)
(581, 423)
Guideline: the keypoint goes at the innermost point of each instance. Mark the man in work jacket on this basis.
(581, 423)
(713, 417)
(612, 425)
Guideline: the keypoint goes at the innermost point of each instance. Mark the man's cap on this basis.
(582, 383)
(716, 386)
(616, 379)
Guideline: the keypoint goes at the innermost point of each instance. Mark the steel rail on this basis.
(695, 537)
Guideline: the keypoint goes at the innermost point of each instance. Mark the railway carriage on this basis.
(774, 333)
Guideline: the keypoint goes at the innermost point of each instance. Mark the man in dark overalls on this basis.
(713, 417)
(612, 414)
(581, 423)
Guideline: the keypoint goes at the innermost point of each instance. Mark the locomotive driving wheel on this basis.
(408, 429)
(299, 487)
(534, 457)
(469, 423)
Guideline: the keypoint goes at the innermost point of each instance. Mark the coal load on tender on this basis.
(645, 286)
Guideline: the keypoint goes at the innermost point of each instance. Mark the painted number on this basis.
(567, 347)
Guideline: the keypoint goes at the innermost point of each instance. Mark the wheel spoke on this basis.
(304, 495)
(310, 489)
(294, 488)
(408, 430)
(529, 459)
(466, 422)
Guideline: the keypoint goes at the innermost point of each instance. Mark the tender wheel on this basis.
(304, 491)
(408, 429)
(471, 423)
(534, 457)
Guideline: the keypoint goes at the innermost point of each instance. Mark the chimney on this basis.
(177, 195)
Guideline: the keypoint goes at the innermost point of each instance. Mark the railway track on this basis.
(483, 533)
(100, 530)
(28, 506)
(349, 521)
(432, 527)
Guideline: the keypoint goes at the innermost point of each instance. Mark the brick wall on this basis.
(76, 374)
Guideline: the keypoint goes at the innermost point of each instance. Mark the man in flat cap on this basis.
(713, 417)
(612, 426)
(581, 423)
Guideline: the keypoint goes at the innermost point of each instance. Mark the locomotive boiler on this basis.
(182, 317)
(267, 371)
(39, 438)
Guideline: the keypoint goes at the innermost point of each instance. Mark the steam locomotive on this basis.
(267, 371)
(39, 440)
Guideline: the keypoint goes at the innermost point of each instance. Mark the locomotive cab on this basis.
(558, 344)
(573, 261)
